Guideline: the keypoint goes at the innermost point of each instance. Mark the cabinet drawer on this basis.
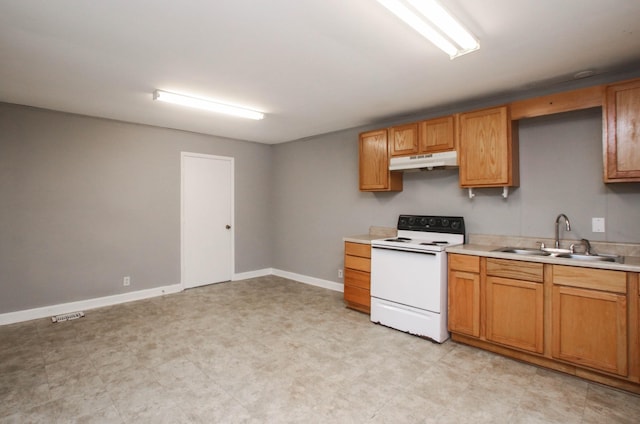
(357, 295)
(356, 262)
(518, 270)
(464, 262)
(589, 278)
(357, 279)
(357, 249)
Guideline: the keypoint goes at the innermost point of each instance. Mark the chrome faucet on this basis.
(587, 246)
(566, 220)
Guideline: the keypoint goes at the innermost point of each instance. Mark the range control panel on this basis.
(433, 224)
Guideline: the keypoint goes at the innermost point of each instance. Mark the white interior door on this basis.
(207, 219)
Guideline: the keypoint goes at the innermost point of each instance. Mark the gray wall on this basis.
(86, 201)
(318, 201)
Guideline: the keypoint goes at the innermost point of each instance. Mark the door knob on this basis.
(228, 227)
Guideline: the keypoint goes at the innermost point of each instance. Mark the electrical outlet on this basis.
(597, 225)
(126, 281)
(340, 273)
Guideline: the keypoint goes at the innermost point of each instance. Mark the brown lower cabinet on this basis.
(581, 321)
(514, 313)
(464, 295)
(357, 276)
(514, 303)
(590, 318)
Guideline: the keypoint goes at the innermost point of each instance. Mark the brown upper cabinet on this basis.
(404, 140)
(430, 136)
(436, 135)
(374, 163)
(487, 139)
(488, 144)
(622, 132)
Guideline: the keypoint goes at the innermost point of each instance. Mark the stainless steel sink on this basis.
(560, 253)
(592, 258)
(523, 251)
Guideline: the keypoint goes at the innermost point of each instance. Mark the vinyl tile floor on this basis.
(271, 350)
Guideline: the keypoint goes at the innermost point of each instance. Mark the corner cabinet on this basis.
(357, 276)
(374, 163)
(488, 144)
(622, 132)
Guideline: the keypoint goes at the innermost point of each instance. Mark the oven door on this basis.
(417, 279)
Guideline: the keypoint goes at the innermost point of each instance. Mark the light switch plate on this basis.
(597, 225)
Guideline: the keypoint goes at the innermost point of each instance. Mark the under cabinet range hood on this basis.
(427, 161)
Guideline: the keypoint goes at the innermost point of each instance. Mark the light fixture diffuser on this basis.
(451, 37)
(206, 104)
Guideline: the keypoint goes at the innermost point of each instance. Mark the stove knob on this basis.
(412, 221)
(423, 221)
(432, 222)
(455, 225)
(445, 222)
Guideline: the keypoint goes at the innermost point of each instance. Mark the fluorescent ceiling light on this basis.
(452, 38)
(206, 104)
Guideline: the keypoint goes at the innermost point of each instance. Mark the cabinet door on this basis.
(488, 151)
(464, 303)
(590, 328)
(404, 140)
(374, 163)
(622, 132)
(515, 313)
(356, 290)
(436, 135)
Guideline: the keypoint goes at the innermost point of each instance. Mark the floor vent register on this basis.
(67, 317)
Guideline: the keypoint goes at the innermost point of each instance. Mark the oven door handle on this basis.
(423, 252)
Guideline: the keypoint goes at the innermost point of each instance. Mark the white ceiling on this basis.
(314, 66)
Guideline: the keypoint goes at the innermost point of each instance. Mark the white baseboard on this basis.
(252, 274)
(331, 285)
(82, 305)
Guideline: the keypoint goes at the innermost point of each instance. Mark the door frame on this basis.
(183, 156)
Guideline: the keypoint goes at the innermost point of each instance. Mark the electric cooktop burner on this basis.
(428, 233)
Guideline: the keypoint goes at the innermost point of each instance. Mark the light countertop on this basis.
(361, 238)
(631, 263)
(374, 233)
(485, 245)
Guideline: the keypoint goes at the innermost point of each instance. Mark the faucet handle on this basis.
(587, 246)
(572, 247)
(541, 243)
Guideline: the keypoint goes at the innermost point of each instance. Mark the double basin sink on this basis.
(560, 253)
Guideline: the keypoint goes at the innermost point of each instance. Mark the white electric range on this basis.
(409, 275)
